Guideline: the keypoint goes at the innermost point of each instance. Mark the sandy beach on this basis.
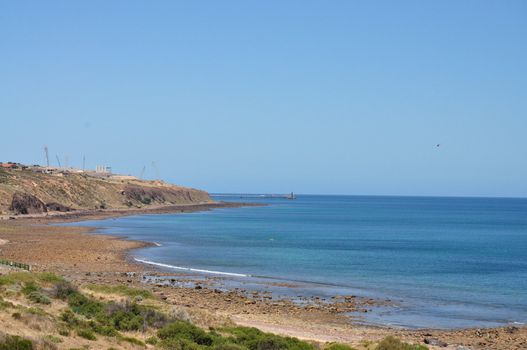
(84, 257)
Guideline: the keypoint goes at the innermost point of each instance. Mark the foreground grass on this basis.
(122, 290)
(61, 313)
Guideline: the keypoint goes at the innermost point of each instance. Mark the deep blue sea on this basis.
(444, 262)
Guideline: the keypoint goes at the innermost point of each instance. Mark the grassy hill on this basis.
(28, 192)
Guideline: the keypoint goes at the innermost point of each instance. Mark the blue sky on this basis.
(337, 97)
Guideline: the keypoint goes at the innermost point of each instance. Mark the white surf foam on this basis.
(191, 269)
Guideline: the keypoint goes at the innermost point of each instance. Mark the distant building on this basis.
(103, 169)
(9, 165)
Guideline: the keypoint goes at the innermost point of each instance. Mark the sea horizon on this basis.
(219, 194)
(445, 262)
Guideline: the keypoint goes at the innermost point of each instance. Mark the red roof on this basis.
(8, 165)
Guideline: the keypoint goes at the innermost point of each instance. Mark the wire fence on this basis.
(15, 264)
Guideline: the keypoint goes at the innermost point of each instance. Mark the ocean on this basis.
(443, 262)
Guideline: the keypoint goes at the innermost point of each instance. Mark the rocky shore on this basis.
(86, 258)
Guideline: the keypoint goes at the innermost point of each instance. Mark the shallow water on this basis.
(446, 262)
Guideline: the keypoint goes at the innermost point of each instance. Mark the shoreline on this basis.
(87, 257)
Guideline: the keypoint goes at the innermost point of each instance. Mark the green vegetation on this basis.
(13, 342)
(53, 338)
(90, 318)
(337, 346)
(35, 293)
(62, 290)
(38, 297)
(120, 290)
(5, 304)
(392, 343)
(185, 330)
(132, 340)
(86, 334)
(28, 277)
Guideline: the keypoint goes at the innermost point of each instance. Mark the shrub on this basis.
(154, 318)
(63, 290)
(70, 318)
(255, 339)
(30, 287)
(53, 338)
(392, 343)
(132, 340)
(38, 297)
(127, 321)
(179, 344)
(5, 304)
(338, 346)
(152, 340)
(185, 330)
(108, 331)
(86, 334)
(180, 314)
(49, 277)
(228, 346)
(83, 305)
(14, 342)
(122, 316)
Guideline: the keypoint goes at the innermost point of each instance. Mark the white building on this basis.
(103, 169)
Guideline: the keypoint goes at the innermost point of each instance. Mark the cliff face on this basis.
(26, 192)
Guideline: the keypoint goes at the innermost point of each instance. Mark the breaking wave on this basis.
(191, 269)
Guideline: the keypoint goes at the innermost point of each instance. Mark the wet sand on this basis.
(85, 257)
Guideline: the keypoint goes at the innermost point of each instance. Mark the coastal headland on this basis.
(87, 259)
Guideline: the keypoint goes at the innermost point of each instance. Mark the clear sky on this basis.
(337, 97)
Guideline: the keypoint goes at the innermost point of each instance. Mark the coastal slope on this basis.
(26, 192)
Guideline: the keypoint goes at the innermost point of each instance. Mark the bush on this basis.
(86, 334)
(38, 297)
(179, 344)
(14, 342)
(5, 304)
(180, 314)
(255, 339)
(108, 331)
(392, 343)
(63, 290)
(127, 321)
(228, 346)
(53, 338)
(84, 306)
(124, 317)
(49, 277)
(30, 287)
(64, 332)
(185, 330)
(132, 340)
(154, 318)
(70, 318)
(338, 346)
(152, 340)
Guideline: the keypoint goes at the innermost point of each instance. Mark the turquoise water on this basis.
(445, 262)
